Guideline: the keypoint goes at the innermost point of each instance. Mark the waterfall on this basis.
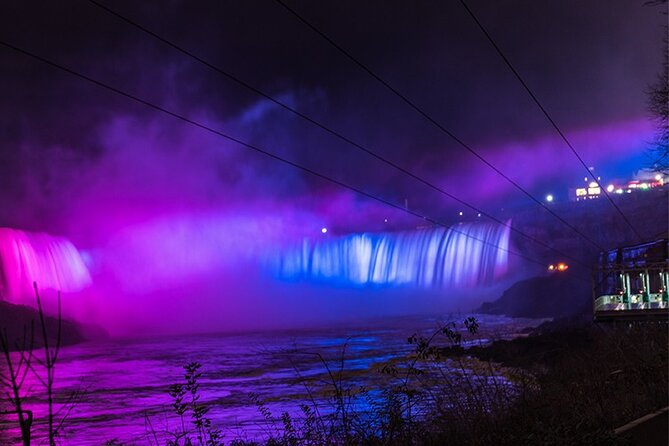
(51, 262)
(467, 254)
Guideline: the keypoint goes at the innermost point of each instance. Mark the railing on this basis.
(631, 291)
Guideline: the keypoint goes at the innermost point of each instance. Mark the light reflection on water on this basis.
(124, 382)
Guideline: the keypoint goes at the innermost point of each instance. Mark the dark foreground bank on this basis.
(567, 381)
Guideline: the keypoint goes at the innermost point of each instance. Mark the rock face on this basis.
(557, 295)
(17, 320)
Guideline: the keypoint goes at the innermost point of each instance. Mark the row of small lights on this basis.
(610, 187)
(324, 230)
(549, 198)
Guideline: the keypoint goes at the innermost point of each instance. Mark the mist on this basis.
(176, 223)
(178, 227)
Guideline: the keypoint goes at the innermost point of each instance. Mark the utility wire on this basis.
(323, 127)
(550, 119)
(433, 121)
(256, 148)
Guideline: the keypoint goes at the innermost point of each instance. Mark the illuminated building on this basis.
(594, 191)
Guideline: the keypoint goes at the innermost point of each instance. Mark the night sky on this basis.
(67, 147)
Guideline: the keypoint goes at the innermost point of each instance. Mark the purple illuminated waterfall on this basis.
(464, 255)
(51, 262)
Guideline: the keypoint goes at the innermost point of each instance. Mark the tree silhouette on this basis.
(658, 105)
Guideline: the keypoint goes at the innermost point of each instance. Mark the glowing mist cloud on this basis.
(180, 249)
(437, 257)
(51, 262)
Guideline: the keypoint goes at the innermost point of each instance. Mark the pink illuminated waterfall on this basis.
(51, 262)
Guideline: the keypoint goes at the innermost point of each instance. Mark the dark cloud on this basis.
(62, 141)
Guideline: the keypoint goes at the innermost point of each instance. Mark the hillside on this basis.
(557, 295)
(19, 322)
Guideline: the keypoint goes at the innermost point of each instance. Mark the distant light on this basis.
(585, 179)
(610, 188)
(561, 267)
(324, 230)
(385, 220)
(478, 215)
(619, 191)
(460, 213)
(658, 177)
(599, 178)
(549, 198)
(592, 184)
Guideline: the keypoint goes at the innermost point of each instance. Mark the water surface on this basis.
(122, 383)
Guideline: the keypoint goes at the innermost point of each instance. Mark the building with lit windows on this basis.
(593, 191)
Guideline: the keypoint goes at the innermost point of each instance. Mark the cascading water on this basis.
(27, 258)
(465, 255)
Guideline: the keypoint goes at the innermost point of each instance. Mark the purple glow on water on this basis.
(52, 262)
(466, 255)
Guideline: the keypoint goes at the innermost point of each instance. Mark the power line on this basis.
(255, 148)
(434, 122)
(550, 119)
(322, 126)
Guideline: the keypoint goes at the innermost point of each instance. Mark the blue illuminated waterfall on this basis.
(465, 255)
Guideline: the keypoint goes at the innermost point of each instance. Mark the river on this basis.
(120, 386)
